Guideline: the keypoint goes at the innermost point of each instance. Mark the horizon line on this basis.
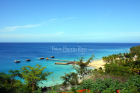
(68, 42)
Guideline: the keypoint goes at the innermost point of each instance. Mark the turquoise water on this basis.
(63, 51)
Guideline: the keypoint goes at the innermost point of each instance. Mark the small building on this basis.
(135, 56)
(118, 58)
(134, 59)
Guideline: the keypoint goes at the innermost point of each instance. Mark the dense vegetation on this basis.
(31, 75)
(120, 73)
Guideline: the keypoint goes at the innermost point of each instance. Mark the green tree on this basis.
(4, 79)
(117, 70)
(82, 67)
(135, 50)
(33, 75)
(70, 78)
(6, 86)
(13, 74)
(120, 54)
(74, 79)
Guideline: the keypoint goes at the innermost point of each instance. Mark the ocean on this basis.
(9, 52)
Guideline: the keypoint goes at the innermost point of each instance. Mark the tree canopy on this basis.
(33, 75)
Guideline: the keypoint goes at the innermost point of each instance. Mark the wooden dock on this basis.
(71, 62)
(61, 63)
(59, 60)
(58, 63)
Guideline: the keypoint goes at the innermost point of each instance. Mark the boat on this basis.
(28, 60)
(52, 57)
(17, 61)
(41, 58)
(47, 58)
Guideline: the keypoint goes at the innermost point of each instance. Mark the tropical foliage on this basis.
(72, 78)
(31, 75)
(125, 66)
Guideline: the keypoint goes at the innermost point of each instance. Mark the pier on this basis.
(71, 62)
(59, 60)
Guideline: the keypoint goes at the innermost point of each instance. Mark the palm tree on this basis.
(113, 56)
(4, 78)
(103, 58)
(117, 56)
(120, 54)
(130, 59)
(82, 67)
(13, 74)
(123, 54)
(116, 61)
(126, 60)
(70, 78)
(111, 59)
(66, 79)
(74, 78)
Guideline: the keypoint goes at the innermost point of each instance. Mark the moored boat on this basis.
(28, 60)
(52, 57)
(47, 58)
(17, 61)
(41, 58)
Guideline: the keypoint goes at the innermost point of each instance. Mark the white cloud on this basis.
(69, 18)
(24, 35)
(29, 35)
(52, 19)
(59, 32)
(102, 34)
(124, 34)
(10, 28)
(92, 34)
(14, 28)
(29, 26)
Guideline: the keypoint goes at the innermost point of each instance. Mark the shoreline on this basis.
(97, 64)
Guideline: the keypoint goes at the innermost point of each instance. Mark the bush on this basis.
(109, 86)
(86, 84)
(100, 85)
(105, 85)
(117, 70)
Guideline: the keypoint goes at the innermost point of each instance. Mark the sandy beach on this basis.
(97, 64)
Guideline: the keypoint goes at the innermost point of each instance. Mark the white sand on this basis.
(97, 64)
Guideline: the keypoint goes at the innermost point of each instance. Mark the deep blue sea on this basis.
(9, 52)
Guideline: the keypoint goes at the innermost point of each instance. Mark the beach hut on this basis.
(118, 58)
(135, 56)
(134, 59)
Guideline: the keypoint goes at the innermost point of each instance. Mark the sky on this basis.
(103, 21)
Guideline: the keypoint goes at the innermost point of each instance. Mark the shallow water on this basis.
(63, 51)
